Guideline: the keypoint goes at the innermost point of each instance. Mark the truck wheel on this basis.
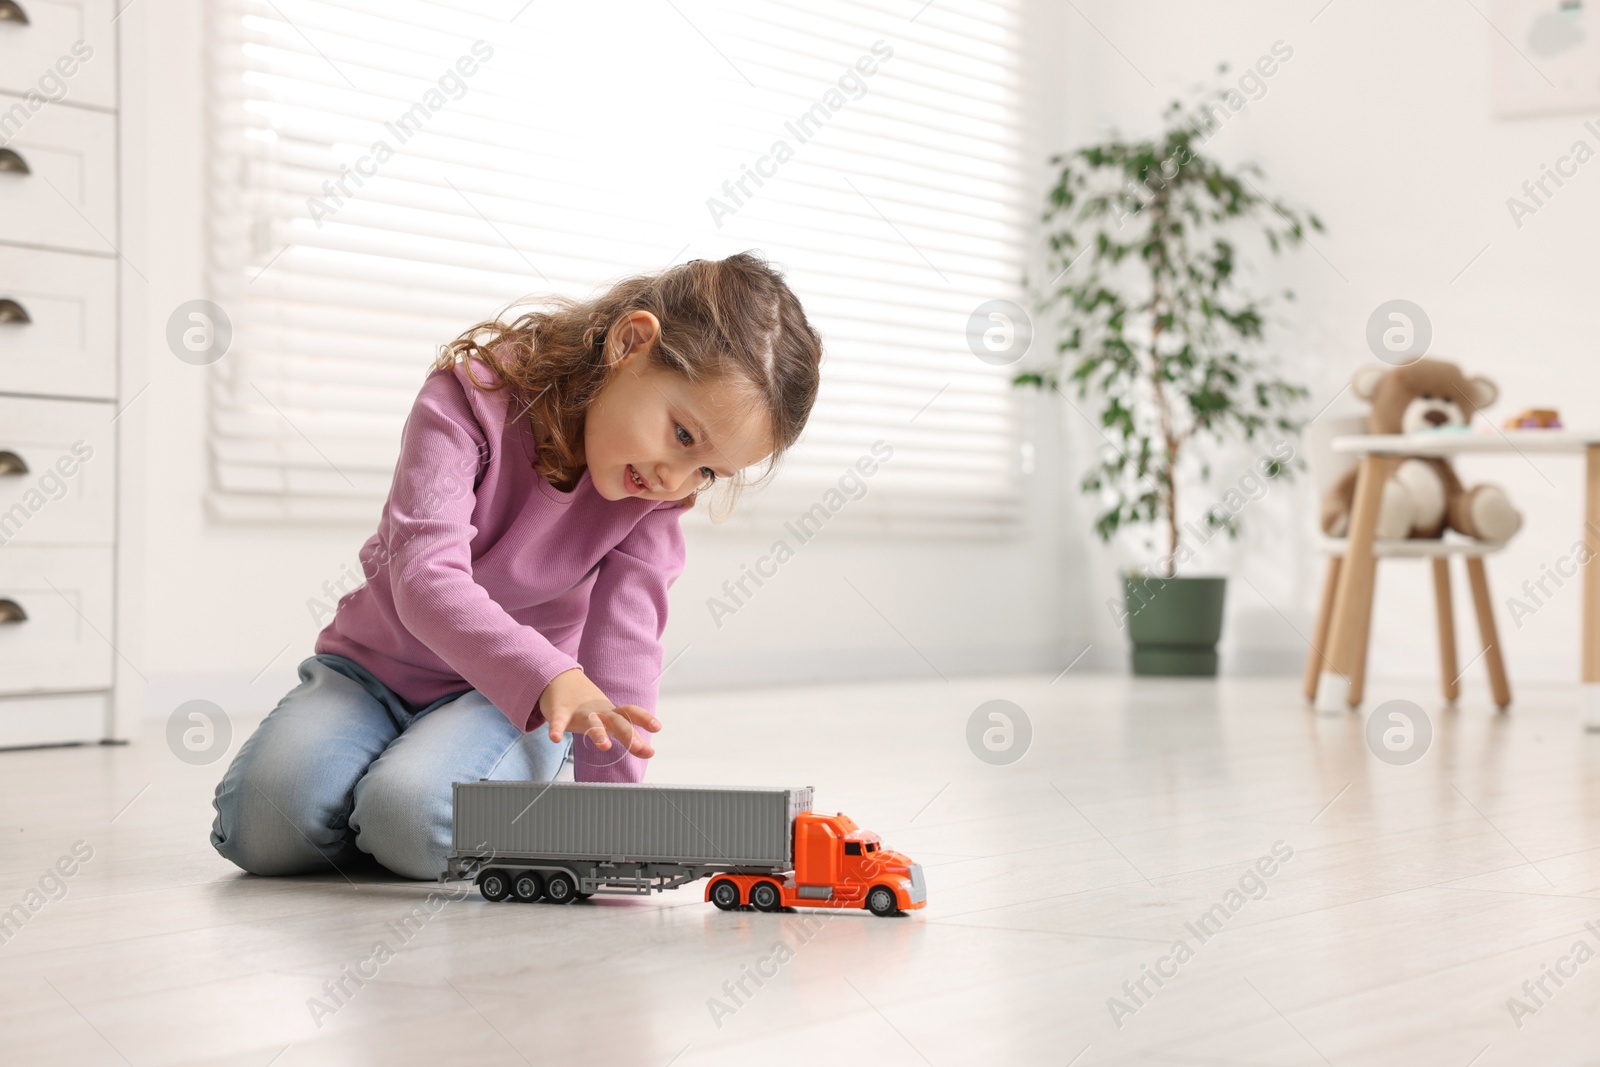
(725, 895)
(559, 888)
(494, 885)
(881, 902)
(765, 896)
(527, 887)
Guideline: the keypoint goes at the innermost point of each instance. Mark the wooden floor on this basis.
(1415, 902)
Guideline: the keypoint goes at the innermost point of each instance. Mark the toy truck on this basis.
(761, 848)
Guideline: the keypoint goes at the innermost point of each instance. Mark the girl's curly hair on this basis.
(732, 321)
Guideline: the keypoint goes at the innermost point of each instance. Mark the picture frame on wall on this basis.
(1546, 57)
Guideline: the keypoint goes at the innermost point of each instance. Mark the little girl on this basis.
(519, 574)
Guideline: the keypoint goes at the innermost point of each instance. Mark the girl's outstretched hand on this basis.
(572, 702)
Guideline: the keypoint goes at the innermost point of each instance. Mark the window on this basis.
(385, 175)
(852, 848)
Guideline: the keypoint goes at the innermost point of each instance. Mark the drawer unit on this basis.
(58, 322)
(59, 186)
(57, 475)
(55, 619)
(61, 343)
(37, 53)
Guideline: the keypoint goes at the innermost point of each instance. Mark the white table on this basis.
(1380, 455)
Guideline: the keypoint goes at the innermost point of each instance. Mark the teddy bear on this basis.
(1423, 496)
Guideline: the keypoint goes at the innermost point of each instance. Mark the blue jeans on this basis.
(343, 769)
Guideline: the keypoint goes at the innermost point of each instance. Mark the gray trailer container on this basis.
(617, 837)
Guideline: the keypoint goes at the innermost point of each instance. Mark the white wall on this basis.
(222, 613)
(1380, 121)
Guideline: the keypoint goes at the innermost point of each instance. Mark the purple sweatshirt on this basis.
(483, 575)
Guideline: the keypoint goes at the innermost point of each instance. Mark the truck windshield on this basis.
(871, 847)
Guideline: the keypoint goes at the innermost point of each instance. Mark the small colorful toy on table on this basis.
(1535, 419)
(761, 848)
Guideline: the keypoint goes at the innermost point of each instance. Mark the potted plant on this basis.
(1157, 330)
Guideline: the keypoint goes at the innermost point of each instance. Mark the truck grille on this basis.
(919, 888)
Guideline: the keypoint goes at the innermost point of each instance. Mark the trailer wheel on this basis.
(881, 902)
(725, 895)
(765, 896)
(559, 888)
(494, 885)
(527, 887)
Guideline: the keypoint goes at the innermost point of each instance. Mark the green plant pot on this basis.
(1174, 624)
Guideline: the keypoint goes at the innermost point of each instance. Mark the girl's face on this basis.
(649, 424)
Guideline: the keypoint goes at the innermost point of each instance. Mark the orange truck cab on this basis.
(836, 865)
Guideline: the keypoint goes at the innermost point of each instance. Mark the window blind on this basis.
(385, 173)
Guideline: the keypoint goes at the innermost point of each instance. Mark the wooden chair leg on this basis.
(1315, 655)
(1358, 673)
(1486, 628)
(1449, 672)
(1341, 684)
(1590, 693)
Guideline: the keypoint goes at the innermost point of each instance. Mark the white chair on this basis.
(1327, 466)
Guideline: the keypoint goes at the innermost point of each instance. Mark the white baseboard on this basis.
(712, 669)
(698, 668)
(694, 669)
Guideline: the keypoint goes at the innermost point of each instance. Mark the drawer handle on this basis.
(11, 463)
(11, 611)
(10, 162)
(11, 311)
(10, 11)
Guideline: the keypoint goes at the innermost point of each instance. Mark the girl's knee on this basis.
(273, 821)
(283, 805)
(403, 822)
